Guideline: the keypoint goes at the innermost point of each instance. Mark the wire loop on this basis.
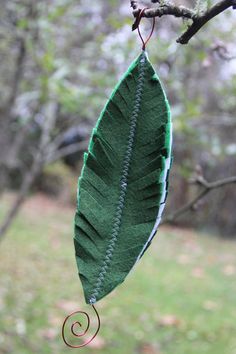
(139, 32)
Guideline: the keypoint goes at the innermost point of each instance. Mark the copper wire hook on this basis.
(138, 23)
(77, 323)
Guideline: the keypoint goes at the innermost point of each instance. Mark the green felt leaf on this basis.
(123, 184)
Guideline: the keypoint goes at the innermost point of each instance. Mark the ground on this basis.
(179, 299)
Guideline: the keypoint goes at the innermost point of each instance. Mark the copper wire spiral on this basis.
(76, 324)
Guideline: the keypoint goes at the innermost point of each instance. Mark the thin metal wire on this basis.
(76, 324)
(139, 32)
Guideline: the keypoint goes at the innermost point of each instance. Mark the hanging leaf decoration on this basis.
(123, 184)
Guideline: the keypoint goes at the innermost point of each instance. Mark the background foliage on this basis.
(59, 61)
(62, 58)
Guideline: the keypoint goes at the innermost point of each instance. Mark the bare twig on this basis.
(43, 156)
(65, 151)
(198, 20)
(206, 187)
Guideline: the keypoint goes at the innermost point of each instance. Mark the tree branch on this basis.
(206, 187)
(21, 55)
(165, 9)
(35, 169)
(65, 151)
(198, 20)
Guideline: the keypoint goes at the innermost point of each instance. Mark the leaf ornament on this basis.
(123, 185)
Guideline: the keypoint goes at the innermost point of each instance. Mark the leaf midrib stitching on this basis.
(123, 181)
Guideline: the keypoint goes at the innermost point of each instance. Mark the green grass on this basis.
(179, 299)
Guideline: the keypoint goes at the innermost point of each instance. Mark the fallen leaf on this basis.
(211, 259)
(169, 321)
(148, 349)
(229, 270)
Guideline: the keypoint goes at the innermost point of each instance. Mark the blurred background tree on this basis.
(59, 62)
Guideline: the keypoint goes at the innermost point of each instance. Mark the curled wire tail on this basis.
(76, 324)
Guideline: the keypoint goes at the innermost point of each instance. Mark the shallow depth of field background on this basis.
(62, 58)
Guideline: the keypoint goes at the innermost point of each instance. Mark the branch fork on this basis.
(198, 19)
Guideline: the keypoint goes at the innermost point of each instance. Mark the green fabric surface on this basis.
(123, 184)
